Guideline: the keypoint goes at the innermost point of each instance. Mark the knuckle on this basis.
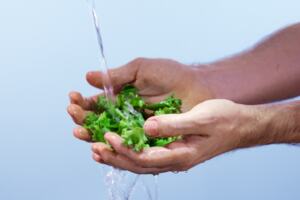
(170, 127)
(106, 158)
(138, 61)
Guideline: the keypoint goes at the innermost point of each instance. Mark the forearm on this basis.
(268, 72)
(271, 124)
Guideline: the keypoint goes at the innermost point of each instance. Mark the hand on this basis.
(154, 78)
(209, 129)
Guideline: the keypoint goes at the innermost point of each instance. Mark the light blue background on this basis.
(47, 46)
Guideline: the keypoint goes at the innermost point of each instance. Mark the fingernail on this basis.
(110, 136)
(80, 132)
(107, 136)
(151, 127)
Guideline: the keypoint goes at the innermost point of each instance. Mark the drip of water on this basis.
(155, 187)
(120, 184)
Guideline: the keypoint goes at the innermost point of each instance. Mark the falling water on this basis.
(121, 185)
(107, 84)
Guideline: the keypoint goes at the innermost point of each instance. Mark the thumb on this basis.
(170, 125)
(119, 76)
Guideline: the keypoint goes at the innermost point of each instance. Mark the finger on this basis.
(86, 103)
(170, 125)
(176, 144)
(149, 157)
(82, 134)
(119, 76)
(77, 113)
(97, 158)
(103, 154)
(95, 79)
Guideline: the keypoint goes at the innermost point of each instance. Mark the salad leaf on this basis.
(126, 116)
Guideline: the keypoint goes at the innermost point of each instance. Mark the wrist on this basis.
(285, 123)
(199, 85)
(203, 77)
(271, 124)
(216, 80)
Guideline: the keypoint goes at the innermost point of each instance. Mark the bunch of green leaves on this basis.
(126, 117)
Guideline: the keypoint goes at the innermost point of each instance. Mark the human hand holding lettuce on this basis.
(155, 81)
(212, 127)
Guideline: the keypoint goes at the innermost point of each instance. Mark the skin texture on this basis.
(268, 72)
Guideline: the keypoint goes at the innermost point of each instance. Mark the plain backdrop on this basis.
(46, 47)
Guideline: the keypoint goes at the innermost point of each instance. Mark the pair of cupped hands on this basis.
(209, 126)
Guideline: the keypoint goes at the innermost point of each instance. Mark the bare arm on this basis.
(280, 123)
(270, 71)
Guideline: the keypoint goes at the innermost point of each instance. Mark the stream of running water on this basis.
(121, 185)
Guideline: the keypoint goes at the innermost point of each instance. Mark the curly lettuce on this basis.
(126, 117)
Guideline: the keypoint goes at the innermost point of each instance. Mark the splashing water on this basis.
(121, 185)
